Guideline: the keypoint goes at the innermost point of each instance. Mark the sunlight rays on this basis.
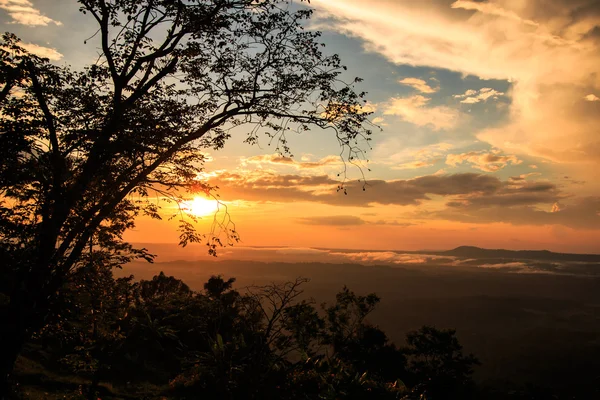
(201, 207)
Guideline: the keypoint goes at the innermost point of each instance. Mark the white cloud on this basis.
(391, 257)
(491, 9)
(305, 163)
(475, 96)
(379, 121)
(417, 164)
(413, 109)
(543, 47)
(22, 12)
(548, 121)
(418, 84)
(485, 161)
(42, 51)
(411, 157)
(592, 97)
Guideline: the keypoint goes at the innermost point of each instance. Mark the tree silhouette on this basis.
(439, 367)
(258, 342)
(82, 152)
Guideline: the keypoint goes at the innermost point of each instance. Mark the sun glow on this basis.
(201, 207)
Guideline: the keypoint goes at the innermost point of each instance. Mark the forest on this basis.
(118, 338)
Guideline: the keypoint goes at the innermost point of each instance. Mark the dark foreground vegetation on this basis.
(536, 334)
(117, 338)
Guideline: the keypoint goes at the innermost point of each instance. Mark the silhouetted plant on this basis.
(82, 153)
(262, 342)
(438, 366)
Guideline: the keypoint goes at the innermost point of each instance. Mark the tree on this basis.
(83, 152)
(440, 369)
(262, 342)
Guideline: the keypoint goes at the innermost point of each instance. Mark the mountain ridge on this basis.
(478, 252)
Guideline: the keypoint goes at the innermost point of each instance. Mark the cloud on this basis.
(475, 96)
(469, 197)
(514, 265)
(482, 160)
(417, 164)
(283, 160)
(509, 195)
(549, 123)
(491, 9)
(465, 188)
(393, 258)
(334, 220)
(521, 178)
(41, 51)
(392, 223)
(379, 121)
(418, 84)
(545, 48)
(390, 257)
(22, 12)
(348, 220)
(413, 109)
(579, 213)
(592, 97)
(411, 157)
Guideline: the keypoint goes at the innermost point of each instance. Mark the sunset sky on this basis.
(490, 117)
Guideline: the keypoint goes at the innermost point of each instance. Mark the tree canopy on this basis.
(258, 342)
(83, 152)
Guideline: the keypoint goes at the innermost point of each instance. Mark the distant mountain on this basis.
(542, 255)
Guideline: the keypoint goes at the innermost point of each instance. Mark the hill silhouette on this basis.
(482, 253)
(541, 255)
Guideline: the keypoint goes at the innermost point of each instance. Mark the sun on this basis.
(201, 207)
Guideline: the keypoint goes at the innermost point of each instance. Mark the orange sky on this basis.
(489, 113)
(285, 225)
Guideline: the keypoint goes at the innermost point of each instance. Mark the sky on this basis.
(490, 117)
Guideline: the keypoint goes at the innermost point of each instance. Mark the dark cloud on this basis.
(264, 186)
(583, 213)
(467, 188)
(471, 197)
(392, 223)
(593, 34)
(456, 184)
(515, 192)
(583, 9)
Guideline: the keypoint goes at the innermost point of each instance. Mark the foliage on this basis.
(438, 366)
(82, 153)
(266, 342)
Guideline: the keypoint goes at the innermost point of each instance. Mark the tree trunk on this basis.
(19, 320)
(93, 389)
(13, 336)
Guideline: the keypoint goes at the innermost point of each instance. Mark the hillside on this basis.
(541, 255)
